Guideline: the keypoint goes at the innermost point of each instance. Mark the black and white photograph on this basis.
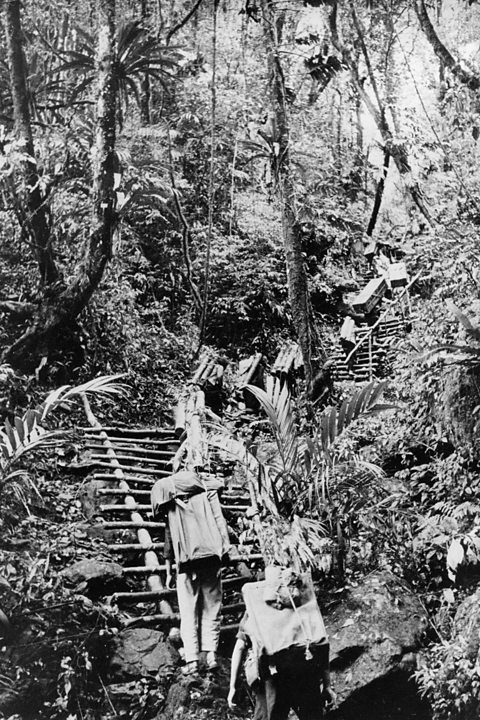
(240, 360)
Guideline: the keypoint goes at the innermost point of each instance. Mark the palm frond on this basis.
(27, 432)
(104, 386)
(276, 402)
(333, 421)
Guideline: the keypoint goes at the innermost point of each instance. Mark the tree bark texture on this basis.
(462, 73)
(296, 271)
(58, 310)
(35, 216)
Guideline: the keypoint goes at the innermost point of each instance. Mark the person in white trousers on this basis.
(199, 594)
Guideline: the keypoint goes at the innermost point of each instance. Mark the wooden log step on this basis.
(241, 507)
(236, 508)
(132, 525)
(173, 619)
(144, 570)
(155, 569)
(365, 352)
(139, 451)
(128, 478)
(131, 458)
(245, 558)
(112, 507)
(128, 441)
(230, 628)
(238, 499)
(117, 491)
(152, 595)
(234, 607)
(133, 432)
(232, 581)
(133, 547)
(365, 355)
(143, 595)
(135, 468)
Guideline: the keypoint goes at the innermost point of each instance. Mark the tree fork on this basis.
(61, 306)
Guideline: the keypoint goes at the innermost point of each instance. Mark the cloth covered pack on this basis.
(197, 526)
(274, 627)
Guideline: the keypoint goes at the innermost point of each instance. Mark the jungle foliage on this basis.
(222, 197)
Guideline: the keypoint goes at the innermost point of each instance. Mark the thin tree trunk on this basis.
(378, 195)
(296, 272)
(183, 21)
(58, 311)
(377, 110)
(36, 221)
(461, 72)
(441, 64)
(145, 83)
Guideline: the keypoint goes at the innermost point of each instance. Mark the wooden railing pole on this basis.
(144, 538)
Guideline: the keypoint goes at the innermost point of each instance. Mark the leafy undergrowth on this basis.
(56, 636)
(57, 648)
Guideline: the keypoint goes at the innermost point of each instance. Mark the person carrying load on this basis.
(287, 664)
(196, 537)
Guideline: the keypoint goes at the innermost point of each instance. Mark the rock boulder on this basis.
(198, 698)
(375, 631)
(140, 652)
(95, 577)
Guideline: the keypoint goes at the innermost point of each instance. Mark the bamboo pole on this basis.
(128, 478)
(131, 547)
(137, 523)
(145, 441)
(132, 525)
(138, 451)
(133, 432)
(136, 468)
(122, 493)
(127, 458)
(112, 507)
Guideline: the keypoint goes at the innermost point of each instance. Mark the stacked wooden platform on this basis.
(362, 351)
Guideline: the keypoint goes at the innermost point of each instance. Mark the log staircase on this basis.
(370, 354)
(127, 462)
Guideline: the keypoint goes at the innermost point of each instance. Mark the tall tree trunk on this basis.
(459, 70)
(58, 310)
(35, 217)
(296, 272)
(377, 109)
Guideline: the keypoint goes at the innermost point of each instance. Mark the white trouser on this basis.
(199, 600)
